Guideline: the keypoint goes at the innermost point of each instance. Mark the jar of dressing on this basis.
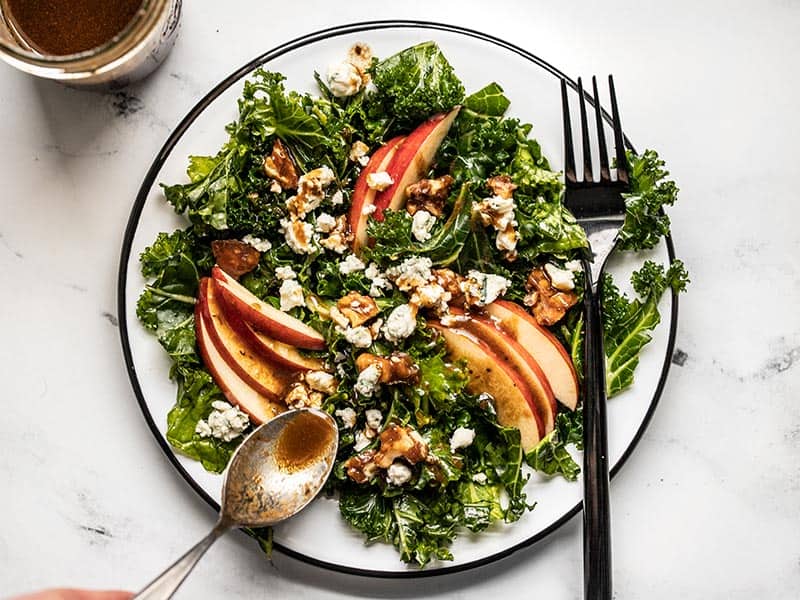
(88, 42)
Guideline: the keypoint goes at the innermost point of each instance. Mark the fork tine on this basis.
(605, 175)
(619, 140)
(569, 152)
(587, 149)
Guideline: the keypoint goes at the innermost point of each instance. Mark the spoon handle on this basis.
(166, 584)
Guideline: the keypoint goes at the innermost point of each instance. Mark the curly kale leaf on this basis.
(550, 456)
(488, 101)
(627, 323)
(645, 221)
(416, 83)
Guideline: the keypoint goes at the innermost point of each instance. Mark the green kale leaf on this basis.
(488, 101)
(550, 456)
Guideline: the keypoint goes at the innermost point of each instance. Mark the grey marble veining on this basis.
(706, 508)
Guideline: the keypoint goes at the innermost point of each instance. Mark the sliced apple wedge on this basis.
(277, 352)
(490, 374)
(520, 360)
(259, 407)
(364, 196)
(263, 317)
(412, 160)
(266, 378)
(554, 360)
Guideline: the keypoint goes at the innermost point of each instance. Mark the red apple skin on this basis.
(553, 359)
(259, 408)
(363, 195)
(272, 350)
(520, 360)
(489, 373)
(266, 378)
(263, 317)
(412, 160)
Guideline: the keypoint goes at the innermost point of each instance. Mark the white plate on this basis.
(318, 534)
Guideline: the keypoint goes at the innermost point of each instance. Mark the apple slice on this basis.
(260, 408)
(519, 359)
(263, 317)
(266, 378)
(412, 160)
(363, 195)
(554, 360)
(277, 352)
(489, 373)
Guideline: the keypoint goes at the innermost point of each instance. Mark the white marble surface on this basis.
(708, 505)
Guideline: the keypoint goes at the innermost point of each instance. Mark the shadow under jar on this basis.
(88, 42)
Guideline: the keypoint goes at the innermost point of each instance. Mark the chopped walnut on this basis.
(235, 257)
(357, 308)
(398, 367)
(501, 185)
(429, 195)
(400, 442)
(279, 167)
(452, 283)
(358, 153)
(361, 467)
(300, 395)
(339, 238)
(547, 303)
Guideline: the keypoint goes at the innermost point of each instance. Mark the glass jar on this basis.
(130, 55)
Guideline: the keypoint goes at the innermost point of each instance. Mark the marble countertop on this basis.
(707, 507)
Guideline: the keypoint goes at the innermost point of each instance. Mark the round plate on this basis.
(318, 535)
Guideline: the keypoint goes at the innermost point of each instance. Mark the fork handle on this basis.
(596, 505)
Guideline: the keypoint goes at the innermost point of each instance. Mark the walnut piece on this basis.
(279, 166)
(501, 185)
(400, 442)
(429, 195)
(452, 283)
(300, 395)
(235, 257)
(548, 304)
(357, 308)
(361, 467)
(397, 367)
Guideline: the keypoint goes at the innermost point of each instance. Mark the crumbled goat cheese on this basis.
(380, 180)
(310, 191)
(484, 288)
(344, 79)
(359, 336)
(325, 223)
(562, 279)
(374, 417)
(285, 273)
(351, 264)
(358, 153)
(461, 438)
(291, 294)
(368, 209)
(398, 473)
(298, 234)
(337, 198)
(225, 422)
(348, 417)
(431, 295)
(275, 187)
(367, 381)
(257, 243)
(498, 212)
(362, 441)
(401, 323)
(321, 381)
(480, 478)
(421, 225)
(574, 266)
(411, 273)
(378, 282)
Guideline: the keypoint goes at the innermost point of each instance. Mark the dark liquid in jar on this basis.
(59, 27)
(304, 440)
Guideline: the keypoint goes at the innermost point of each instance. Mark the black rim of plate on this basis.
(133, 222)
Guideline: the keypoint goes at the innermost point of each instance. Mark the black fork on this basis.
(600, 209)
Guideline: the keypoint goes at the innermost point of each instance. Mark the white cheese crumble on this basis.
(359, 336)
(321, 381)
(326, 223)
(378, 282)
(480, 478)
(401, 323)
(574, 266)
(432, 295)
(362, 441)
(411, 273)
(348, 417)
(298, 234)
(225, 422)
(351, 264)
(421, 225)
(398, 473)
(344, 79)
(337, 197)
(562, 279)
(285, 273)
(374, 417)
(484, 288)
(291, 294)
(461, 438)
(368, 209)
(257, 243)
(367, 381)
(380, 180)
(358, 153)
(498, 212)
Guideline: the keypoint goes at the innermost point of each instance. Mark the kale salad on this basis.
(394, 250)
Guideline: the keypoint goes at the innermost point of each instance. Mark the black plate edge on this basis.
(138, 206)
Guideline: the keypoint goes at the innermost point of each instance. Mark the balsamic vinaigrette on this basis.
(304, 439)
(60, 27)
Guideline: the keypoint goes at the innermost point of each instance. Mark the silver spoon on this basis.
(275, 472)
